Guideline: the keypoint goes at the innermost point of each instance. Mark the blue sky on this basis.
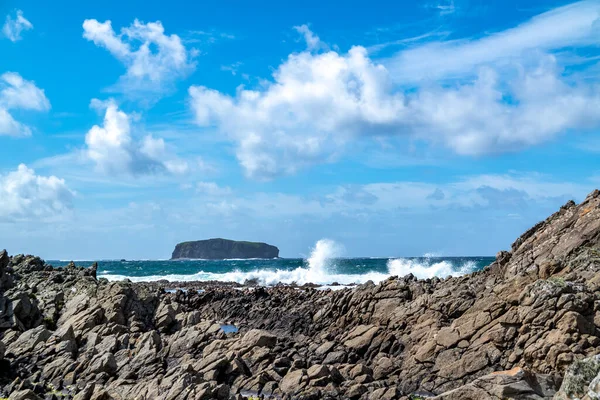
(393, 128)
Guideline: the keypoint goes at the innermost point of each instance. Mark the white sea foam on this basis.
(424, 269)
(320, 268)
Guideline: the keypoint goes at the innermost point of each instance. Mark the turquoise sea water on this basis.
(318, 268)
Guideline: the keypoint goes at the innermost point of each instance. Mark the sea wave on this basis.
(320, 268)
(428, 268)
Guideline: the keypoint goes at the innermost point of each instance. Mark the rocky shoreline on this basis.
(526, 327)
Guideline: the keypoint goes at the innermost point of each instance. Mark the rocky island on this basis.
(525, 327)
(221, 249)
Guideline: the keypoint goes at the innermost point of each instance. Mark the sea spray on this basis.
(320, 260)
(428, 268)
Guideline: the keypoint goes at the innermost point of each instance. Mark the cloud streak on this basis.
(576, 24)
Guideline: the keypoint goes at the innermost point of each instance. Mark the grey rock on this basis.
(514, 384)
(28, 340)
(257, 337)
(293, 382)
(335, 357)
(103, 363)
(26, 394)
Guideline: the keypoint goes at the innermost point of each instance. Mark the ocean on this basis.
(322, 267)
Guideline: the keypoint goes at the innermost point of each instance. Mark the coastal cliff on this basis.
(220, 249)
(525, 327)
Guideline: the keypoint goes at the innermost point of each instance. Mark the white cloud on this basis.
(315, 104)
(13, 27)
(476, 118)
(17, 93)
(154, 61)
(212, 189)
(8, 125)
(114, 151)
(27, 196)
(318, 102)
(572, 25)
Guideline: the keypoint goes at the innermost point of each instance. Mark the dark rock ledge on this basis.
(526, 327)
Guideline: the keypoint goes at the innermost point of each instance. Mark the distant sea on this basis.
(319, 268)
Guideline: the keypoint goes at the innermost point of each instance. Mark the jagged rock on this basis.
(293, 382)
(514, 384)
(86, 393)
(335, 357)
(536, 306)
(317, 371)
(165, 317)
(325, 348)
(580, 378)
(26, 394)
(383, 368)
(257, 337)
(103, 363)
(360, 337)
(28, 340)
(356, 391)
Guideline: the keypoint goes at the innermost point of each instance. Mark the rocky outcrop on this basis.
(220, 249)
(526, 327)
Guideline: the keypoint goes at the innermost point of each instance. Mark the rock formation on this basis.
(220, 249)
(525, 327)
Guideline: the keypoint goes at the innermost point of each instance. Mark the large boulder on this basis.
(26, 394)
(581, 378)
(518, 384)
(258, 337)
(28, 340)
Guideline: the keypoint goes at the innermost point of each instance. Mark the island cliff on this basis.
(220, 249)
(525, 327)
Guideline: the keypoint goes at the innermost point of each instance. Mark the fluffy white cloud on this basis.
(318, 102)
(493, 114)
(27, 196)
(153, 60)
(17, 93)
(14, 26)
(114, 151)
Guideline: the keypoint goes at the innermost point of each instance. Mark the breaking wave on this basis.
(323, 267)
(425, 269)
